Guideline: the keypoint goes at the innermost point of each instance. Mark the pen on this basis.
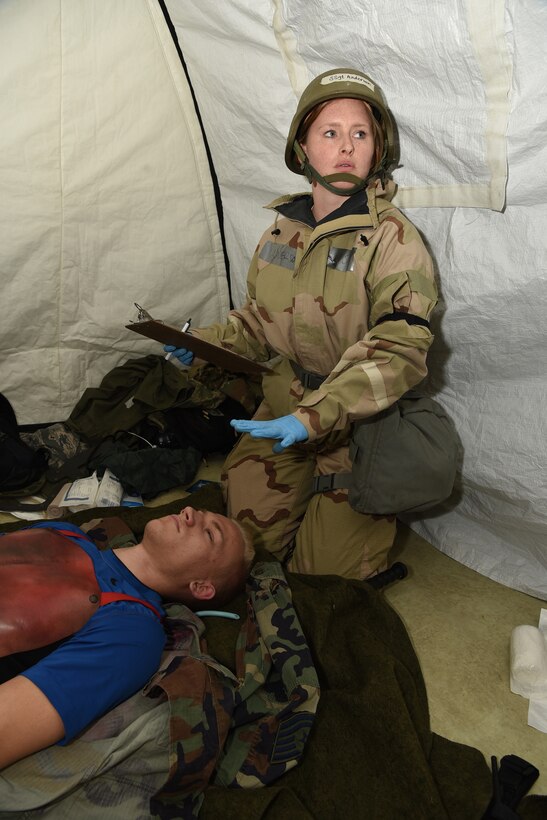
(184, 328)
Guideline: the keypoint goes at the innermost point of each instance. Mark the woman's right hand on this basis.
(286, 428)
(185, 357)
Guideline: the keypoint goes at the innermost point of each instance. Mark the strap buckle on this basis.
(309, 380)
(323, 483)
(332, 481)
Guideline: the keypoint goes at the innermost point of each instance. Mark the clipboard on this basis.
(169, 335)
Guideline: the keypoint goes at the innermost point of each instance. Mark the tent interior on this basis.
(140, 141)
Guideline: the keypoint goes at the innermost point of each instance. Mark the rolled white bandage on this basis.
(528, 662)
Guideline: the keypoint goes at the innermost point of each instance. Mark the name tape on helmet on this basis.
(347, 78)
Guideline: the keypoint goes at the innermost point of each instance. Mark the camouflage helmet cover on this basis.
(343, 83)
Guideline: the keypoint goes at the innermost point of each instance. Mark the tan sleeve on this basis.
(391, 357)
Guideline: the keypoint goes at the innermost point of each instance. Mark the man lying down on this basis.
(81, 629)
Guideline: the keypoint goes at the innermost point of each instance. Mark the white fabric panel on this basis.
(460, 78)
(445, 72)
(246, 103)
(527, 132)
(107, 197)
(488, 362)
(488, 368)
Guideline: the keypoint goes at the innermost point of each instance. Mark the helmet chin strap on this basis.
(312, 174)
(358, 185)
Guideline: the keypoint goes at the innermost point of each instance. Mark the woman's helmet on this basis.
(332, 85)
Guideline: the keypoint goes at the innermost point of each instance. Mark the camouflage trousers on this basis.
(311, 533)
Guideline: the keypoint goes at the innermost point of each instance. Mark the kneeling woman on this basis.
(341, 288)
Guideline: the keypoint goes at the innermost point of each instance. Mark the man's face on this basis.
(194, 544)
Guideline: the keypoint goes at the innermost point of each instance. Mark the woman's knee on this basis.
(335, 539)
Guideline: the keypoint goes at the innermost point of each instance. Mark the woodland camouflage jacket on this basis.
(243, 730)
(332, 297)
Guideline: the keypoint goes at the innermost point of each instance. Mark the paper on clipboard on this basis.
(169, 335)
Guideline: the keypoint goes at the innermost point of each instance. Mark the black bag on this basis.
(206, 429)
(20, 466)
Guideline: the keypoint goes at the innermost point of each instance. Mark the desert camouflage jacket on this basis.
(332, 297)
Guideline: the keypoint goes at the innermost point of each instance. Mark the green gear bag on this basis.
(404, 459)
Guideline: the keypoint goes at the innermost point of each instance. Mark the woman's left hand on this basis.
(286, 428)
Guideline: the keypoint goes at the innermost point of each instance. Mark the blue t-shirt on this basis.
(112, 656)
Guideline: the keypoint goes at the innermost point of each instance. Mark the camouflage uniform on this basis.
(241, 730)
(319, 295)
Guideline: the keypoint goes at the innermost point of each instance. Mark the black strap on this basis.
(510, 783)
(332, 481)
(399, 316)
(308, 379)
(12, 504)
(397, 571)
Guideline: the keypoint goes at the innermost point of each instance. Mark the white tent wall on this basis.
(106, 197)
(466, 82)
(100, 124)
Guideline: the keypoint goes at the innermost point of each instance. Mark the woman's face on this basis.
(341, 140)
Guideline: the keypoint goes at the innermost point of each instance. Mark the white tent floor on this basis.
(460, 623)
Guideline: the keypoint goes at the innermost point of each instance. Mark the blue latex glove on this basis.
(184, 356)
(286, 428)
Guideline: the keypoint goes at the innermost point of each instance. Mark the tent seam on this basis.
(62, 209)
(214, 230)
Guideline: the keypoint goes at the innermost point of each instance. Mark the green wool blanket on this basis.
(371, 754)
